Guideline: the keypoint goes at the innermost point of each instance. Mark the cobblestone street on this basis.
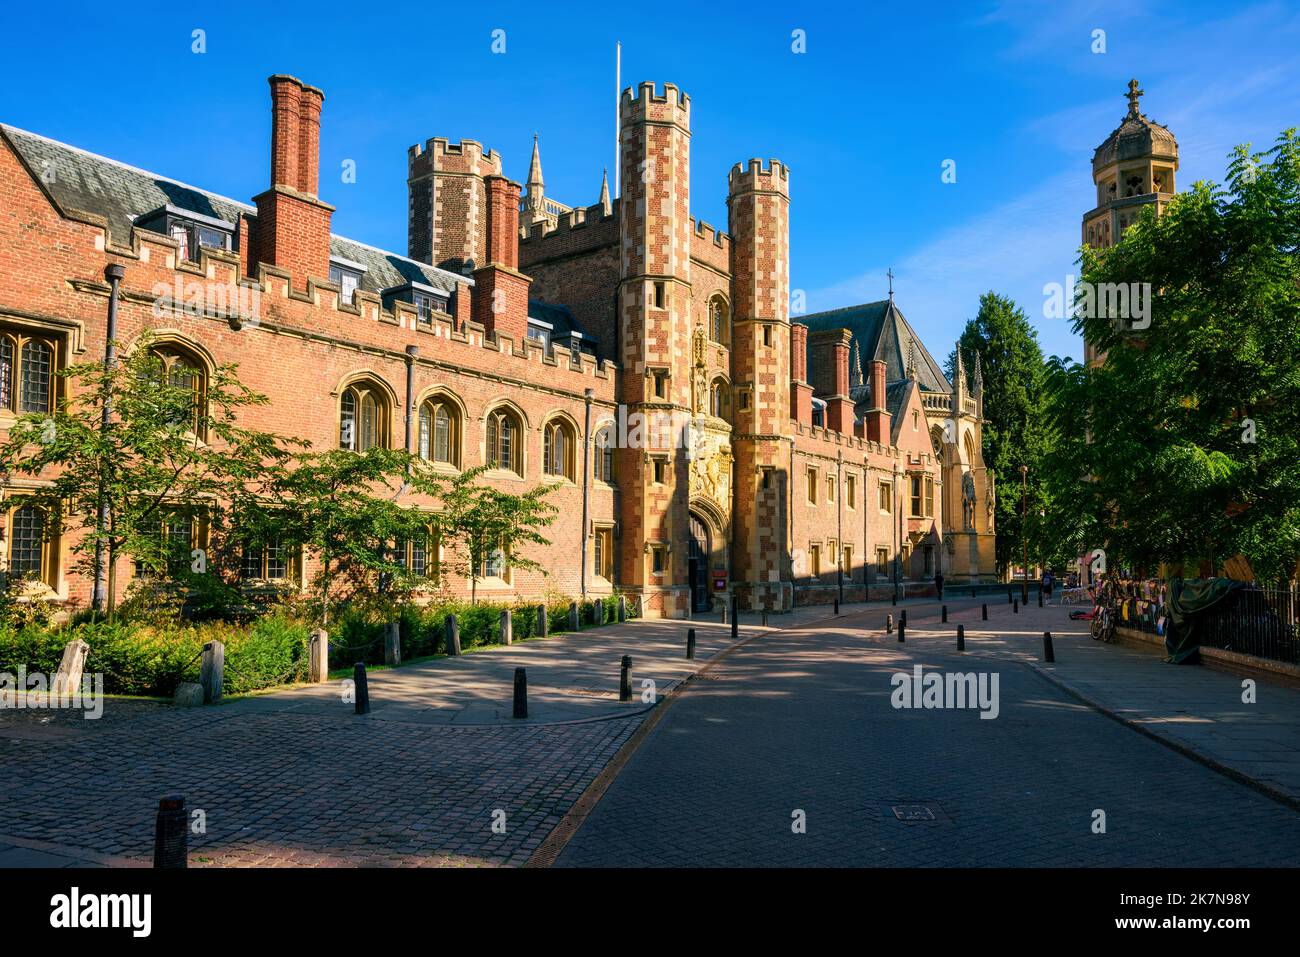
(802, 721)
(796, 719)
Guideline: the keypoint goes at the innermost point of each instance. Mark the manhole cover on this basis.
(918, 812)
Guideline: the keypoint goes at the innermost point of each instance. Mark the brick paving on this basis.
(795, 719)
(803, 721)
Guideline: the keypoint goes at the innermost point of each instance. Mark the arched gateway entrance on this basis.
(698, 564)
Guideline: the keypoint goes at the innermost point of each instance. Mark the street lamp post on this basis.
(1024, 530)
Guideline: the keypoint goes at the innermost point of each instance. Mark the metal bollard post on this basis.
(690, 643)
(521, 693)
(1015, 607)
(1049, 653)
(837, 606)
(961, 637)
(735, 619)
(893, 597)
(945, 614)
(984, 612)
(902, 629)
(543, 621)
(360, 689)
(451, 635)
(625, 679)
(889, 624)
(171, 833)
(902, 617)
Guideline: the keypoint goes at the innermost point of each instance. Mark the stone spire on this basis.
(535, 167)
(911, 358)
(958, 384)
(534, 193)
(979, 375)
(855, 367)
(605, 204)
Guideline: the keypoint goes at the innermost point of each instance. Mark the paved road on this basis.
(802, 721)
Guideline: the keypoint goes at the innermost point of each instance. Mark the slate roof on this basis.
(881, 332)
(79, 180)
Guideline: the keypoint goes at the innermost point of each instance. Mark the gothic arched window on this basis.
(363, 417)
(719, 320)
(504, 433)
(439, 432)
(27, 367)
(558, 449)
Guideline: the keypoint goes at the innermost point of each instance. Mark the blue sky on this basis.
(1010, 91)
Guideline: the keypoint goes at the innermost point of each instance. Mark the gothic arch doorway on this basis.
(698, 557)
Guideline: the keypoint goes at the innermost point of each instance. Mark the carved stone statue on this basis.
(968, 501)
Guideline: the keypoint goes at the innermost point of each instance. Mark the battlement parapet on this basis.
(465, 156)
(645, 104)
(755, 177)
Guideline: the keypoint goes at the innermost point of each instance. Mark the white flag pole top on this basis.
(618, 82)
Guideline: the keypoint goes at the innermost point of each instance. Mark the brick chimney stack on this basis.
(800, 391)
(830, 376)
(877, 419)
(293, 225)
(500, 289)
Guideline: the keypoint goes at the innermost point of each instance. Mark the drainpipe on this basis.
(113, 273)
(411, 353)
(587, 396)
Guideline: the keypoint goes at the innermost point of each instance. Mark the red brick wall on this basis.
(300, 352)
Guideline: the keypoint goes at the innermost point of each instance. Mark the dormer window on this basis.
(425, 306)
(193, 232)
(347, 276)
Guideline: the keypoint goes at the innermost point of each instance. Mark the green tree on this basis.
(1015, 433)
(1192, 416)
(478, 522)
(167, 448)
(347, 509)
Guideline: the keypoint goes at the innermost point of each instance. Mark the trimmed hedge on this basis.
(152, 659)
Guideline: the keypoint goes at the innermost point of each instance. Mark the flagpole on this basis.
(618, 92)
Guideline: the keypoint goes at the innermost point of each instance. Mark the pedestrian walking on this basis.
(938, 584)
(1048, 581)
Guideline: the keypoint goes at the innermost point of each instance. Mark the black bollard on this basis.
(1015, 607)
(972, 592)
(735, 619)
(893, 598)
(359, 688)
(625, 679)
(945, 614)
(1008, 596)
(690, 643)
(961, 637)
(984, 611)
(521, 693)
(1049, 654)
(902, 617)
(889, 624)
(837, 606)
(902, 629)
(171, 833)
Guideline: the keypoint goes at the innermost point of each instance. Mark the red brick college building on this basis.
(802, 458)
